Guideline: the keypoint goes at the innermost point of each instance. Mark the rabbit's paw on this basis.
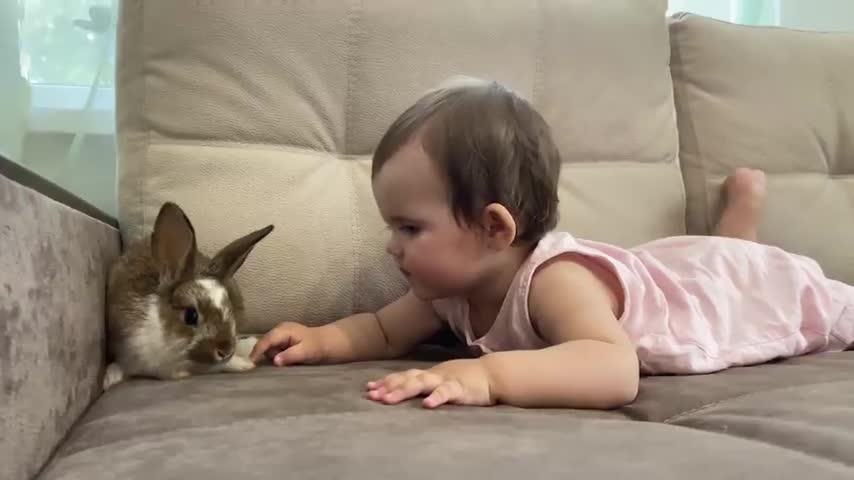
(113, 375)
(238, 364)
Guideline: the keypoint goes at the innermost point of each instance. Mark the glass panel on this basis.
(56, 72)
(14, 90)
(827, 15)
(67, 42)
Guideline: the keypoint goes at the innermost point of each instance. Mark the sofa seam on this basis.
(711, 405)
(611, 163)
(767, 443)
(674, 117)
(353, 18)
(354, 241)
(677, 81)
(146, 126)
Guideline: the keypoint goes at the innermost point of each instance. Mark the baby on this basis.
(466, 180)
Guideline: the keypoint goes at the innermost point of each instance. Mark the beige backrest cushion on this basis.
(249, 113)
(777, 99)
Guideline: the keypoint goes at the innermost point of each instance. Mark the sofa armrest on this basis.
(53, 261)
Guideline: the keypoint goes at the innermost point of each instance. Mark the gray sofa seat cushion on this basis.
(816, 419)
(664, 399)
(313, 422)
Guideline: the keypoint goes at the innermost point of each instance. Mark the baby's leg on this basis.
(744, 197)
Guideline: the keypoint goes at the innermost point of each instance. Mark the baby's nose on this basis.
(393, 248)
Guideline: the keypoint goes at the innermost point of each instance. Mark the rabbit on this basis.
(173, 312)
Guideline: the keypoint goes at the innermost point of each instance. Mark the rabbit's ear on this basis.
(228, 260)
(173, 244)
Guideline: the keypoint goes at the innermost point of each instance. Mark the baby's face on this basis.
(438, 256)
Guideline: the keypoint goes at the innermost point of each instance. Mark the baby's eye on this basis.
(409, 229)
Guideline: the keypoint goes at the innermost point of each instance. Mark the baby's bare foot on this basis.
(744, 197)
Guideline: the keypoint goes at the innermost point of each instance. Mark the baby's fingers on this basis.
(377, 393)
(279, 338)
(395, 380)
(290, 356)
(261, 347)
(377, 389)
(412, 387)
(447, 392)
(408, 389)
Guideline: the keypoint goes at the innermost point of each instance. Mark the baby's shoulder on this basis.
(572, 277)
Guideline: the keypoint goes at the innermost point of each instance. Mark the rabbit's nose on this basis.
(223, 351)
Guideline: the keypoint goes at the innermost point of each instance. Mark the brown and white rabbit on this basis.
(173, 312)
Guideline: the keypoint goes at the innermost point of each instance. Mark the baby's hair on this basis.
(491, 145)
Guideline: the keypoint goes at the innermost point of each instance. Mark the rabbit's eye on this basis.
(191, 317)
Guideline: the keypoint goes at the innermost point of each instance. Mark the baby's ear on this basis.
(498, 225)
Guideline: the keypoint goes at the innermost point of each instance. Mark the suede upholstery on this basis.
(53, 264)
(776, 421)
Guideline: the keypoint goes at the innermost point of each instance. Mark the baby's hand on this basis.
(461, 382)
(290, 343)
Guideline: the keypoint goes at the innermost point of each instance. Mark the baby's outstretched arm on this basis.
(591, 363)
(390, 332)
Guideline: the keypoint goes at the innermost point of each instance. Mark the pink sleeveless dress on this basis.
(693, 304)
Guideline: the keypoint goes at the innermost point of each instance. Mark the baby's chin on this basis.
(421, 293)
(428, 294)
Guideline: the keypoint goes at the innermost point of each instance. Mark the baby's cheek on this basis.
(447, 274)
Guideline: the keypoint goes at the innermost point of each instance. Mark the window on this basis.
(828, 15)
(61, 54)
(67, 54)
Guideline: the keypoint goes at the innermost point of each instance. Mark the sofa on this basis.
(256, 112)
